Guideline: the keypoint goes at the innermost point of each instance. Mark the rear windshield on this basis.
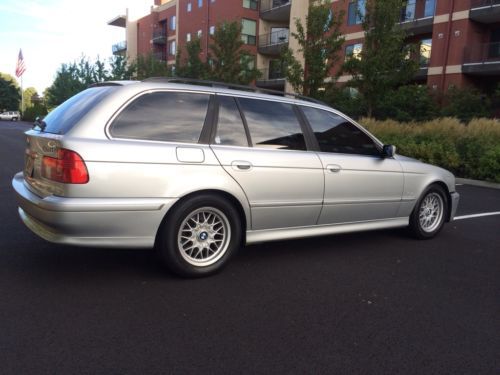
(63, 118)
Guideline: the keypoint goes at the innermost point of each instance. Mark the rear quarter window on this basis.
(163, 116)
(63, 118)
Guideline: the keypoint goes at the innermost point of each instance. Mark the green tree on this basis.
(10, 78)
(120, 68)
(227, 59)
(10, 97)
(148, 65)
(384, 63)
(28, 95)
(191, 66)
(320, 41)
(67, 83)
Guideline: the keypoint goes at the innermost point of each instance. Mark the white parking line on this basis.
(477, 215)
(458, 184)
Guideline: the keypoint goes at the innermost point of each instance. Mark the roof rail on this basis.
(200, 82)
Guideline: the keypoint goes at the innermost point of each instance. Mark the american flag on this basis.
(20, 66)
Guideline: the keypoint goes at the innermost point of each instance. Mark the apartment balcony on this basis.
(275, 10)
(273, 79)
(418, 21)
(272, 44)
(159, 37)
(119, 21)
(482, 59)
(160, 56)
(119, 48)
(485, 11)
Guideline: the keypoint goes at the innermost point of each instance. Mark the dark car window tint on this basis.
(335, 134)
(64, 117)
(230, 129)
(272, 124)
(163, 116)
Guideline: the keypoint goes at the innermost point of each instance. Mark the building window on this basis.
(212, 30)
(248, 31)
(189, 7)
(356, 12)
(408, 11)
(172, 48)
(200, 3)
(430, 8)
(199, 33)
(188, 37)
(425, 52)
(172, 23)
(250, 4)
(353, 51)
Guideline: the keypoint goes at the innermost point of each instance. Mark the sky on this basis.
(52, 32)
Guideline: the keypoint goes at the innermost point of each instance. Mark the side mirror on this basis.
(388, 151)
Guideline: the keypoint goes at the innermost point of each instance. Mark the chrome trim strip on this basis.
(285, 204)
(321, 230)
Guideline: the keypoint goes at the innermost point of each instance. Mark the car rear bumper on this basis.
(455, 198)
(106, 222)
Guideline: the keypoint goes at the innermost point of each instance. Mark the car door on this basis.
(260, 143)
(360, 184)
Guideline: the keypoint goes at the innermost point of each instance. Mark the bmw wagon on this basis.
(197, 170)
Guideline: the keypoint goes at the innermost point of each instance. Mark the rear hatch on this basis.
(48, 167)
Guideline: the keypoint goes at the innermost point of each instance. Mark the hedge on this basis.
(468, 150)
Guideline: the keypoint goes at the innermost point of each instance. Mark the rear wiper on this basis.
(39, 124)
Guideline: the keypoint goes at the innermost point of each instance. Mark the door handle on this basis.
(241, 165)
(334, 168)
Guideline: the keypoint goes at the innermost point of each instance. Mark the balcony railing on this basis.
(159, 36)
(483, 3)
(266, 5)
(161, 56)
(482, 53)
(271, 74)
(119, 47)
(275, 38)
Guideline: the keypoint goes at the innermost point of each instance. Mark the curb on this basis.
(466, 181)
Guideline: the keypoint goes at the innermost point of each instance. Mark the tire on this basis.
(199, 236)
(429, 214)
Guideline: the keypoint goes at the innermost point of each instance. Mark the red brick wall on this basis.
(210, 14)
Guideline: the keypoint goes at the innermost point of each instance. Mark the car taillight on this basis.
(68, 168)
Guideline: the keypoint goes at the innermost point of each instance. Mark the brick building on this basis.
(460, 39)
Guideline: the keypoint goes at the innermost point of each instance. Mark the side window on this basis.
(230, 129)
(163, 116)
(335, 134)
(272, 124)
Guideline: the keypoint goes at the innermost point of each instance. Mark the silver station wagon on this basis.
(198, 170)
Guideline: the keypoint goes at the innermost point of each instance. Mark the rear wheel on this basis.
(199, 236)
(428, 216)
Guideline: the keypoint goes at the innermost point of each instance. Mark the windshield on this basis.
(64, 117)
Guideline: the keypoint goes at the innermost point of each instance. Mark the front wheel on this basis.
(199, 236)
(428, 216)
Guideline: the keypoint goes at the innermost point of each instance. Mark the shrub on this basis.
(466, 104)
(468, 150)
(407, 103)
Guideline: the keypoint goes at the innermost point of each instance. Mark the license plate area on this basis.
(29, 165)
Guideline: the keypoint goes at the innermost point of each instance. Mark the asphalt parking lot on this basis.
(365, 303)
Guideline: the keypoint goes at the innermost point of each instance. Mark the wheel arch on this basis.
(223, 194)
(444, 186)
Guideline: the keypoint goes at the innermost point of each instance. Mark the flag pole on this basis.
(22, 97)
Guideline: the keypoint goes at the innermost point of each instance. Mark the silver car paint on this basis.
(282, 193)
